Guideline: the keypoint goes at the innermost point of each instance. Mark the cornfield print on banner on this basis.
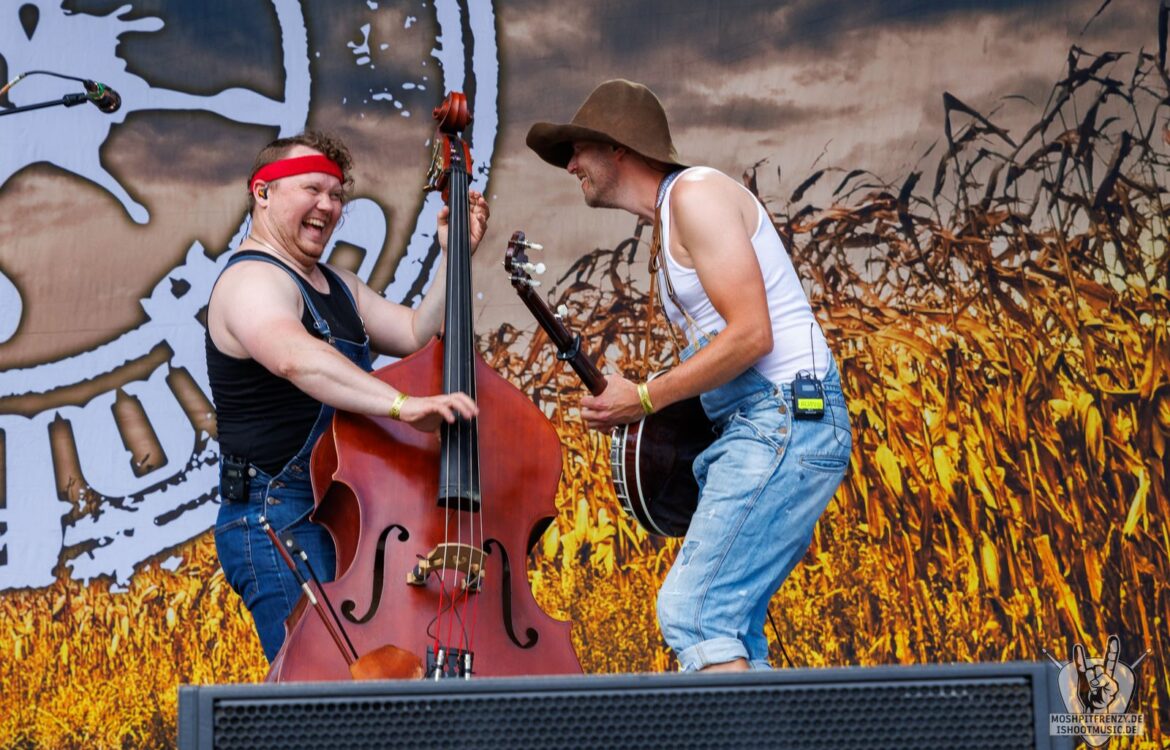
(1001, 321)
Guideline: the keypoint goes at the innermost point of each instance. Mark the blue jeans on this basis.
(762, 486)
(251, 563)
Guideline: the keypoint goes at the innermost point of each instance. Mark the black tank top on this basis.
(262, 417)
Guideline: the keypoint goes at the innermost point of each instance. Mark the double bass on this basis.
(433, 531)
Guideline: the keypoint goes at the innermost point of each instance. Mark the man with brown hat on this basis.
(756, 356)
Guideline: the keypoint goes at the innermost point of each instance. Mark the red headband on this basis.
(296, 165)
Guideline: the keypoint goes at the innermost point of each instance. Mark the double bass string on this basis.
(477, 520)
(455, 233)
(451, 340)
(468, 362)
(459, 229)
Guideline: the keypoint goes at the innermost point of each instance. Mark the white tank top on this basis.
(796, 335)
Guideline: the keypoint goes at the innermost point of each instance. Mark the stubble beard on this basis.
(603, 193)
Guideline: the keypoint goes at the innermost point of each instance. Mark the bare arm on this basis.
(255, 312)
(712, 223)
(399, 330)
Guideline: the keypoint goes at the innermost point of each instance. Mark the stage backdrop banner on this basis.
(973, 194)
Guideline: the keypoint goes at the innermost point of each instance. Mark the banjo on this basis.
(650, 460)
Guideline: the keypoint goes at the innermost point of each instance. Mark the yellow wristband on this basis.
(396, 407)
(644, 397)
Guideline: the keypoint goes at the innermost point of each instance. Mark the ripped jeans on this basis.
(762, 486)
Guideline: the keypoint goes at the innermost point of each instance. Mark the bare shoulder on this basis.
(702, 178)
(705, 193)
(248, 302)
(255, 281)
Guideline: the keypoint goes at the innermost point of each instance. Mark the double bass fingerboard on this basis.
(459, 468)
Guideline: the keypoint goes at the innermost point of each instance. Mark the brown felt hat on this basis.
(620, 112)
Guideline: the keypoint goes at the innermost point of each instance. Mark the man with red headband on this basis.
(288, 342)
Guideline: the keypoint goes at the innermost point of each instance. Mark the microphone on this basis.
(102, 96)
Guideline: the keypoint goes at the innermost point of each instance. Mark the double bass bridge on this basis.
(456, 558)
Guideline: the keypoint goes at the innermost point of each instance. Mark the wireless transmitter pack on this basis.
(809, 396)
(807, 392)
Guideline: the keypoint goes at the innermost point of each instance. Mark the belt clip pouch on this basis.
(233, 480)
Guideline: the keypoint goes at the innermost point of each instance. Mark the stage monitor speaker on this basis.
(975, 706)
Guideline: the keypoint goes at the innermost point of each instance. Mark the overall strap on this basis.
(319, 322)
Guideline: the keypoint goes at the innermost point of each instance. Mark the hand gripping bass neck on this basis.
(650, 460)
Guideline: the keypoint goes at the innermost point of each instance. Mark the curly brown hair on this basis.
(327, 143)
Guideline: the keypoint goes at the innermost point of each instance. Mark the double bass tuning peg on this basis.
(536, 268)
(530, 245)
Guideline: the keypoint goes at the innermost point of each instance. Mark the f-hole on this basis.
(349, 605)
(506, 597)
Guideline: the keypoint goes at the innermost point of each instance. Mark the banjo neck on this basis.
(568, 344)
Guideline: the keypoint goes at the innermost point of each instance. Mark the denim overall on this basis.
(251, 563)
(763, 484)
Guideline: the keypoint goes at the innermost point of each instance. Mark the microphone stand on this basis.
(69, 100)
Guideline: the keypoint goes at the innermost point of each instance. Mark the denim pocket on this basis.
(287, 507)
(826, 463)
(296, 522)
(233, 546)
(770, 421)
(227, 528)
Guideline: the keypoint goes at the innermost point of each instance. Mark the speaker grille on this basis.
(955, 713)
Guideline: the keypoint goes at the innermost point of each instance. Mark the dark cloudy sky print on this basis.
(797, 85)
(802, 85)
(855, 84)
